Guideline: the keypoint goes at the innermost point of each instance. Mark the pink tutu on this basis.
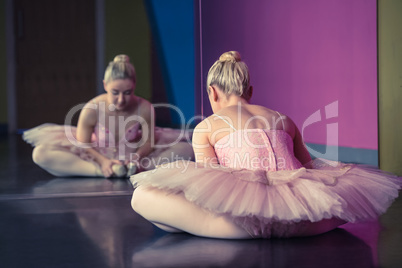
(63, 136)
(272, 202)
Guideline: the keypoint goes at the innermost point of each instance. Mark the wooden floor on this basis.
(88, 222)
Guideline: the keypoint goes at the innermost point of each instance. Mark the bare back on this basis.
(247, 116)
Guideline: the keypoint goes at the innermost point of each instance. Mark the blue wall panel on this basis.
(172, 25)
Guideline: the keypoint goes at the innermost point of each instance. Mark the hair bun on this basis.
(231, 56)
(121, 58)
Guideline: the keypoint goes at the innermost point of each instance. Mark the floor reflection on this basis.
(88, 222)
(70, 232)
(107, 233)
(368, 232)
(113, 230)
(338, 248)
(83, 186)
(74, 187)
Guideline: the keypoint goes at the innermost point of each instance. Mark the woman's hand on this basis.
(106, 166)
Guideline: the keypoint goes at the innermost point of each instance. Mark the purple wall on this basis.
(303, 56)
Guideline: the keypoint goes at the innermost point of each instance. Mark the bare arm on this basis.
(86, 124)
(148, 128)
(203, 150)
(299, 148)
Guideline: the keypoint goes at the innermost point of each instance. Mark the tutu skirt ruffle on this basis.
(260, 201)
(63, 136)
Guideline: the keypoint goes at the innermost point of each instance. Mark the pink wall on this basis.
(303, 56)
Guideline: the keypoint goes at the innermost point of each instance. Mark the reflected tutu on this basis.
(63, 136)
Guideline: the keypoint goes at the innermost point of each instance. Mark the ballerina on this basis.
(253, 176)
(115, 134)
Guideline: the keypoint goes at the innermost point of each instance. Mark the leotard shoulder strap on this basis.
(281, 118)
(226, 121)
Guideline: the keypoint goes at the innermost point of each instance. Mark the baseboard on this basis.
(344, 154)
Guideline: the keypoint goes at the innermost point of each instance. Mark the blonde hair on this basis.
(120, 68)
(231, 75)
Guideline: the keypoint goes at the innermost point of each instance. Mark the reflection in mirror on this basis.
(161, 49)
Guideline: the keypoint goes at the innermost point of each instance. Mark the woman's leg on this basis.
(63, 163)
(174, 213)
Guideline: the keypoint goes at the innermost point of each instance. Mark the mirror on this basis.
(317, 73)
(158, 46)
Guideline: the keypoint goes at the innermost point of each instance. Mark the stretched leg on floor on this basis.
(63, 163)
(174, 213)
